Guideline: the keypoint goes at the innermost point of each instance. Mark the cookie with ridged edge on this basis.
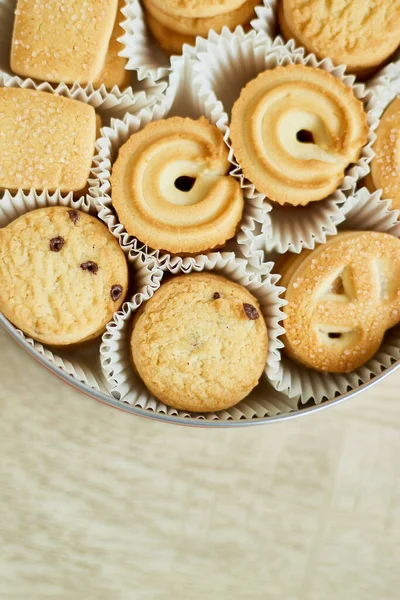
(295, 129)
(200, 343)
(361, 34)
(171, 188)
(193, 27)
(197, 8)
(385, 166)
(171, 42)
(342, 298)
(62, 274)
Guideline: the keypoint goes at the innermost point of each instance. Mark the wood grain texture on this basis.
(97, 504)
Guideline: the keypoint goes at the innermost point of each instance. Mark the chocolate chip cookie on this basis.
(200, 344)
(62, 274)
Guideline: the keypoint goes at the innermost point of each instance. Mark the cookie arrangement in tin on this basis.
(199, 218)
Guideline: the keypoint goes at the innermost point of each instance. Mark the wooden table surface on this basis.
(97, 504)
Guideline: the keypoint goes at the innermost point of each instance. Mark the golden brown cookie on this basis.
(200, 344)
(46, 141)
(295, 130)
(385, 167)
(361, 34)
(193, 27)
(342, 298)
(171, 189)
(197, 8)
(62, 274)
(114, 72)
(62, 42)
(170, 41)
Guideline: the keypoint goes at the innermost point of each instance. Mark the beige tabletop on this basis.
(97, 504)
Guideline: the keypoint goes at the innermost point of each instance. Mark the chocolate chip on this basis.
(90, 266)
(74, 216)
(216, 296)
(251, 311)
(116, 292)
(56, 244)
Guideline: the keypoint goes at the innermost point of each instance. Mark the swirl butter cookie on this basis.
(342, 298)
(358, 33)
(385, 166)
(200, 344)
(171, 189)
(62, 274)
(295, 130)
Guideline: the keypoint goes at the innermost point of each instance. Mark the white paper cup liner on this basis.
(188, 99)
(125, 385)
(109, 103)
(384, 88)
(143, 53)
(266, 20)
(365, 212)
(390, 74)
(82, 363)
(226, 63)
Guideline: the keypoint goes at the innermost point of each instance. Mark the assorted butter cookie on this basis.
(200, 344)
(171, 26)
(69, 42)
(197, 8)
(361, 34)
(385, 166)
(295, 130)
(46, 141)
(62, 274)
(171, 188)
(342, 298)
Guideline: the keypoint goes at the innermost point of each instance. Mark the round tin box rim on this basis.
(186, 421)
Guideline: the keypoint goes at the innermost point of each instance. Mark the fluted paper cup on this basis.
(125, 385)
(364, 212)
(266, 19)
(227, 63)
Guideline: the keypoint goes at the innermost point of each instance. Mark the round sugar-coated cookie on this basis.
(62, 274)
(361, 34)
(200, 343)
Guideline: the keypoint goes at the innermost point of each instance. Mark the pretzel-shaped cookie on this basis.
(342, 297)
(171, 188)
